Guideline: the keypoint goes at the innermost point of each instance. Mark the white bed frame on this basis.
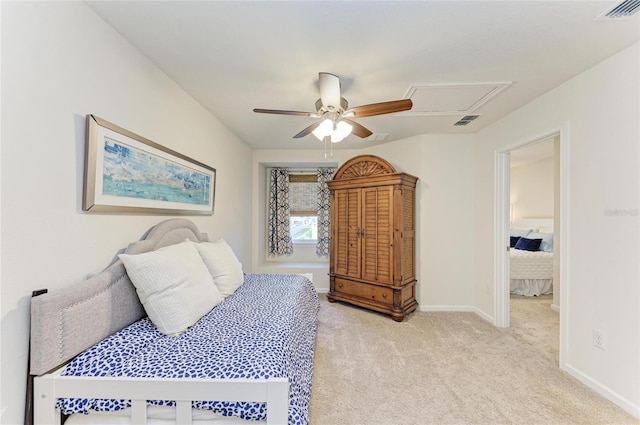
(65, 322)
(49, 387)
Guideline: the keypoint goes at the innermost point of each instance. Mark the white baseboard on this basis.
(457, 308)
(555, 308)
(446, 308)
(485, 316)
(630, 407)
(322, 290)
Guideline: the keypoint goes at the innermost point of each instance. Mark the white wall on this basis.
(59, 63)
(532, 187)
(600, 108)
(444, 200)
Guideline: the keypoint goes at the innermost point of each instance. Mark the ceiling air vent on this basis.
(466, 119)
(625, 9)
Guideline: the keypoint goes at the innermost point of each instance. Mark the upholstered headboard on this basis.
(538, 224)
(67, 321)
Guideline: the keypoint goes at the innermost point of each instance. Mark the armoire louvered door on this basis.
(347, 234)
(376, 234)
(363, 234)
(372, 237)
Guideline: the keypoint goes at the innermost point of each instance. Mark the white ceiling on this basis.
(537, 151)
(233, 56)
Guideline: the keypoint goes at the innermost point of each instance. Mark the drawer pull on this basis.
(339, 285)
(384, 295)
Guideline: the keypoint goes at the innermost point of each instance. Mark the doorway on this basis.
(533, 273)
(503, 216)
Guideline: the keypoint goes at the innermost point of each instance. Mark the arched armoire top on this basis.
(363, 166)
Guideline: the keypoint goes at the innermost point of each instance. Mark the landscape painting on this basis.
(128, 173)
(138, 174)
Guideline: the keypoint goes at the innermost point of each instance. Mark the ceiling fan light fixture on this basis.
(342, 130)
(324, 129)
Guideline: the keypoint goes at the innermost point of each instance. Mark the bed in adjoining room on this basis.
(235, 348)
(531, 257)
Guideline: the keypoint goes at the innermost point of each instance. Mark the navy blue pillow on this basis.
(514, 241)
(528, 244)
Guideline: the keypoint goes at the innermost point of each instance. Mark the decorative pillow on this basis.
(223, 266)
(547, 240)
(526, 244)
(173, 285)
(519, 232)
(514, 241)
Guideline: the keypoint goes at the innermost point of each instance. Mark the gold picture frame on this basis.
(125, 172)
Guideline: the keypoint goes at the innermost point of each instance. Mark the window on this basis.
(298, 213)
(303, 199)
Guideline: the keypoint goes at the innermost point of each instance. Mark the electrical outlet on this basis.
(598, 339)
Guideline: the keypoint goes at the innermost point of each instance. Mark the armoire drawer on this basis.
(363, 290)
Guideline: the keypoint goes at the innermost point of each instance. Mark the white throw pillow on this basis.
(173, 285)
(223, 266)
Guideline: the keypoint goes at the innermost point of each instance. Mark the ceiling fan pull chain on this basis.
(325, 147)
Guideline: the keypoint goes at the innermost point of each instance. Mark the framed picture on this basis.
(128, 173)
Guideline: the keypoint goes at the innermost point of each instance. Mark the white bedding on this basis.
(531, 272)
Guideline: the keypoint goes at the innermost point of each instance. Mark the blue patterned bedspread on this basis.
(266, 329)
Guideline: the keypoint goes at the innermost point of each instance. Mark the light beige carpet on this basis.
(533, 321)
(443, 368)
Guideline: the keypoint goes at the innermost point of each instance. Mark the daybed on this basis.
(248, 358)
(531, 257)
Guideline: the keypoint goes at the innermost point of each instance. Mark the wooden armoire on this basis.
(372, 262)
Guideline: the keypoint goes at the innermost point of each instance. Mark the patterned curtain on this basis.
(279, 234)
(324, 216)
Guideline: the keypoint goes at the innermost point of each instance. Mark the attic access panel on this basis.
(451, 99)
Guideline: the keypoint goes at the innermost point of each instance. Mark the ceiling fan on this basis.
(335, 113)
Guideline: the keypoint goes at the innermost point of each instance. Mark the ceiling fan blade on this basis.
(380, 108)
(281, 112)
(359, 130)
(329, 89)
(307, 130)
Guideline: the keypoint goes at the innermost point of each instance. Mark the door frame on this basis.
(501, 223)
